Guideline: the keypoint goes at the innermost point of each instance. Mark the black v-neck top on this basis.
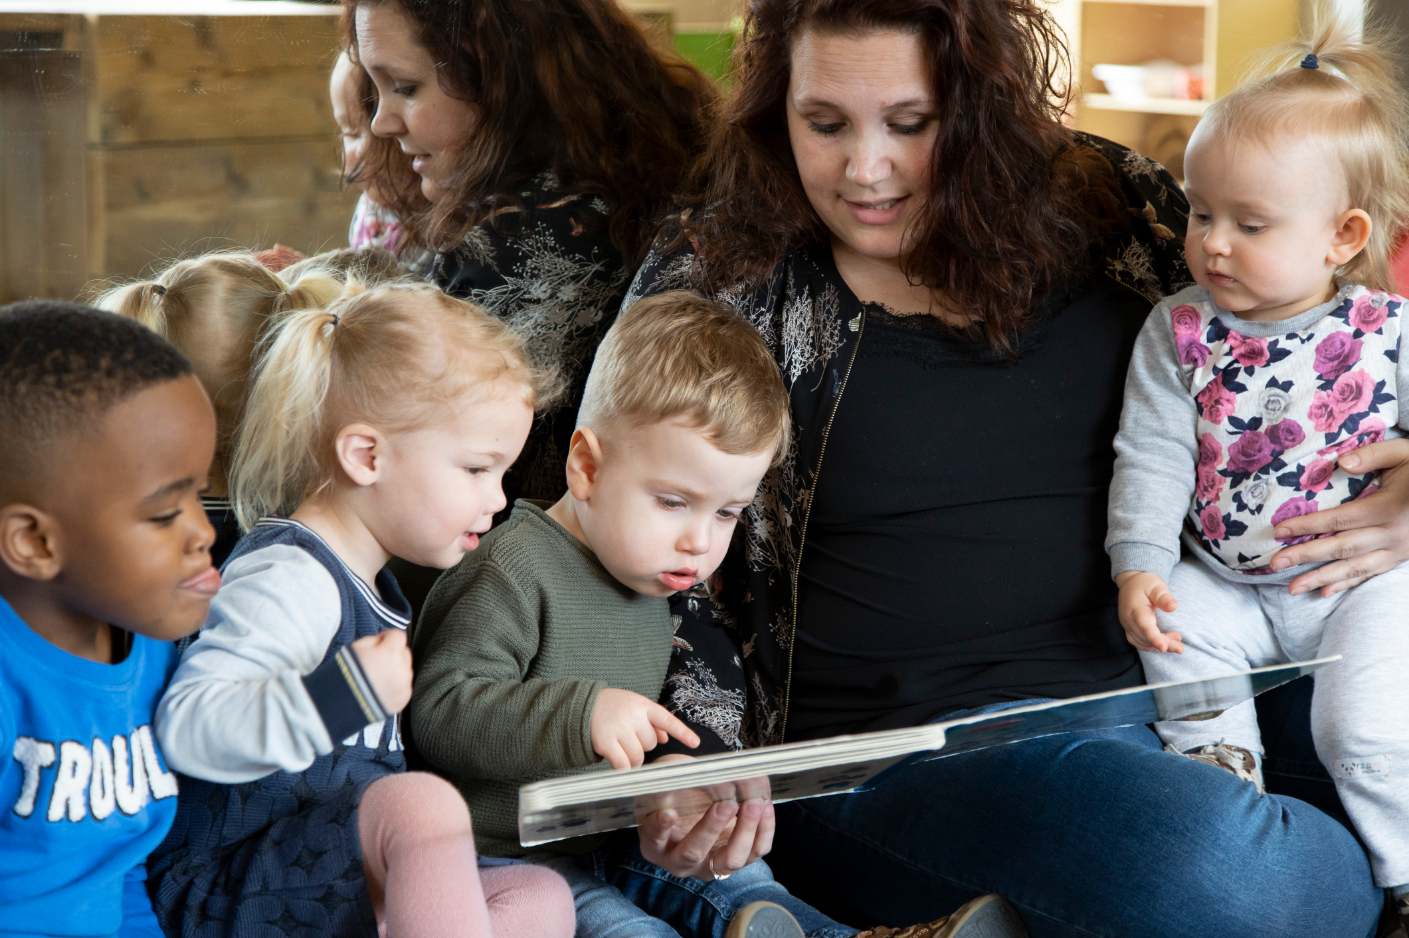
(954, 553)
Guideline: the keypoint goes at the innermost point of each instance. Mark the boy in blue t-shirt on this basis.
(104, 562)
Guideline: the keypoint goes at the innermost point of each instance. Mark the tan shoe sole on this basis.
(764, 920)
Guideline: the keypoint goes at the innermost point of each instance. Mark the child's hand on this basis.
(1140, 595)
(387, 662)
(626, 725)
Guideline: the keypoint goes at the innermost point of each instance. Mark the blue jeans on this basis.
(704, 909)
(1092, 834)
(619, 894)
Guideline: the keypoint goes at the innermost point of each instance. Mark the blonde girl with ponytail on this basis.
(379, 425)
(217, 308)
(1249, 398)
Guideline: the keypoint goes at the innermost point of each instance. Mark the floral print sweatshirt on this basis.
(1232, 426)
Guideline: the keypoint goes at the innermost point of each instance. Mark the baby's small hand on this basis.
(387, 663)
(625, 725)
(1140, 595)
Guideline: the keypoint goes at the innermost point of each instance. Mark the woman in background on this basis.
(547, 137)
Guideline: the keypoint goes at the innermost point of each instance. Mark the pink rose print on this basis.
(1186, 320)
(1366, 315)
(1317, 475)
(1250, 353)
(1294, 509)
(1323, 413)
(1250, 452)
(1285, 434)
(1191, 350)
(1210, 454)
(1372, 430)
(1210, 483)
(1352, 393)
(1335, 354)
(1216, 402)
(1367, 490)
(1210, 450)
(1212, 523)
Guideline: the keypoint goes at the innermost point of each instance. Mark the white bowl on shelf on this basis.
(1158, 79)
(1126, 82)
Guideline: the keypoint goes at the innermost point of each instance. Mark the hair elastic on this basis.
(1309, 61)
(158, 289)
(335, 320)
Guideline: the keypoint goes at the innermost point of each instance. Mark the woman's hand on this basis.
(731, 834)
(1371, 534)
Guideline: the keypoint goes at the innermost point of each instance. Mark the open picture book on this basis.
(602, 801)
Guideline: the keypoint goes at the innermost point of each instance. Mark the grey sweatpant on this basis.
(1360, 709)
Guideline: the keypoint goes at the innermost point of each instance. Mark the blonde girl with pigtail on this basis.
(380, 425)
(217, 308)
(1247, 399)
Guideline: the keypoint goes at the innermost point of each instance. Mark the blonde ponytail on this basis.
(312, 288)
(274, 462)
(392, 356)
(1343, 90)
(218, 309)
(139, 301)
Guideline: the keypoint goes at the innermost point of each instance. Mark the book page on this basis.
(570, 807)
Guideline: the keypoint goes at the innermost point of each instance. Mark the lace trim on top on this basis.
(927, 341)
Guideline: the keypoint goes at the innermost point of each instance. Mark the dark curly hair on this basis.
(1016, 207)
(63, 364)
(569, 86)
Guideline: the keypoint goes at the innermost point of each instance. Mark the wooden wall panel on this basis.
(209, 126)
(165, 202)
(201, 77)
(43, 207)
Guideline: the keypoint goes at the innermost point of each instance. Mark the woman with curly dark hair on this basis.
(546, 139)
(952, 282)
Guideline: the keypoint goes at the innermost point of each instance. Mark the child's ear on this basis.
(1352, 234)
(29, 543)
(360, 449)
(584, 462)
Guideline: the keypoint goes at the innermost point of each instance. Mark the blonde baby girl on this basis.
(381, 425)
(1247, 395)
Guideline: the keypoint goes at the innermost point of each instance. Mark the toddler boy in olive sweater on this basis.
(544, 651)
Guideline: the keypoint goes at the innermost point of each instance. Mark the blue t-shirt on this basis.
(84, 796)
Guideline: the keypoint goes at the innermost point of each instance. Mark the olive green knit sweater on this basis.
(511, 650)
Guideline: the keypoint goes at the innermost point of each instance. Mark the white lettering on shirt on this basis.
(33, 755)
(102, 795)
(96, 780)
(70, 795)
(131, 788)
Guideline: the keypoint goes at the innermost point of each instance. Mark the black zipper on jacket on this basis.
(806, 515)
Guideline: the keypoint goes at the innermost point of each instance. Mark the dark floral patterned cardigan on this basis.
(550, 270)
(801, 314)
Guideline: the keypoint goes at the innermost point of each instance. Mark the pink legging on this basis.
(419, 854)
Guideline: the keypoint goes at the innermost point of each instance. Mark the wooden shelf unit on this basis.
(1219, 34)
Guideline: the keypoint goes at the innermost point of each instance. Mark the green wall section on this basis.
(708, 51)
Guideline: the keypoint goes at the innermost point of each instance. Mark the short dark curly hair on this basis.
(63, 365)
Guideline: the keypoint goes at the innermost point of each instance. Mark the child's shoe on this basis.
(989, 916)
(764, 920)
(1235, 759)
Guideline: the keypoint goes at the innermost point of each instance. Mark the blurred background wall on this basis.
(137, 131)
